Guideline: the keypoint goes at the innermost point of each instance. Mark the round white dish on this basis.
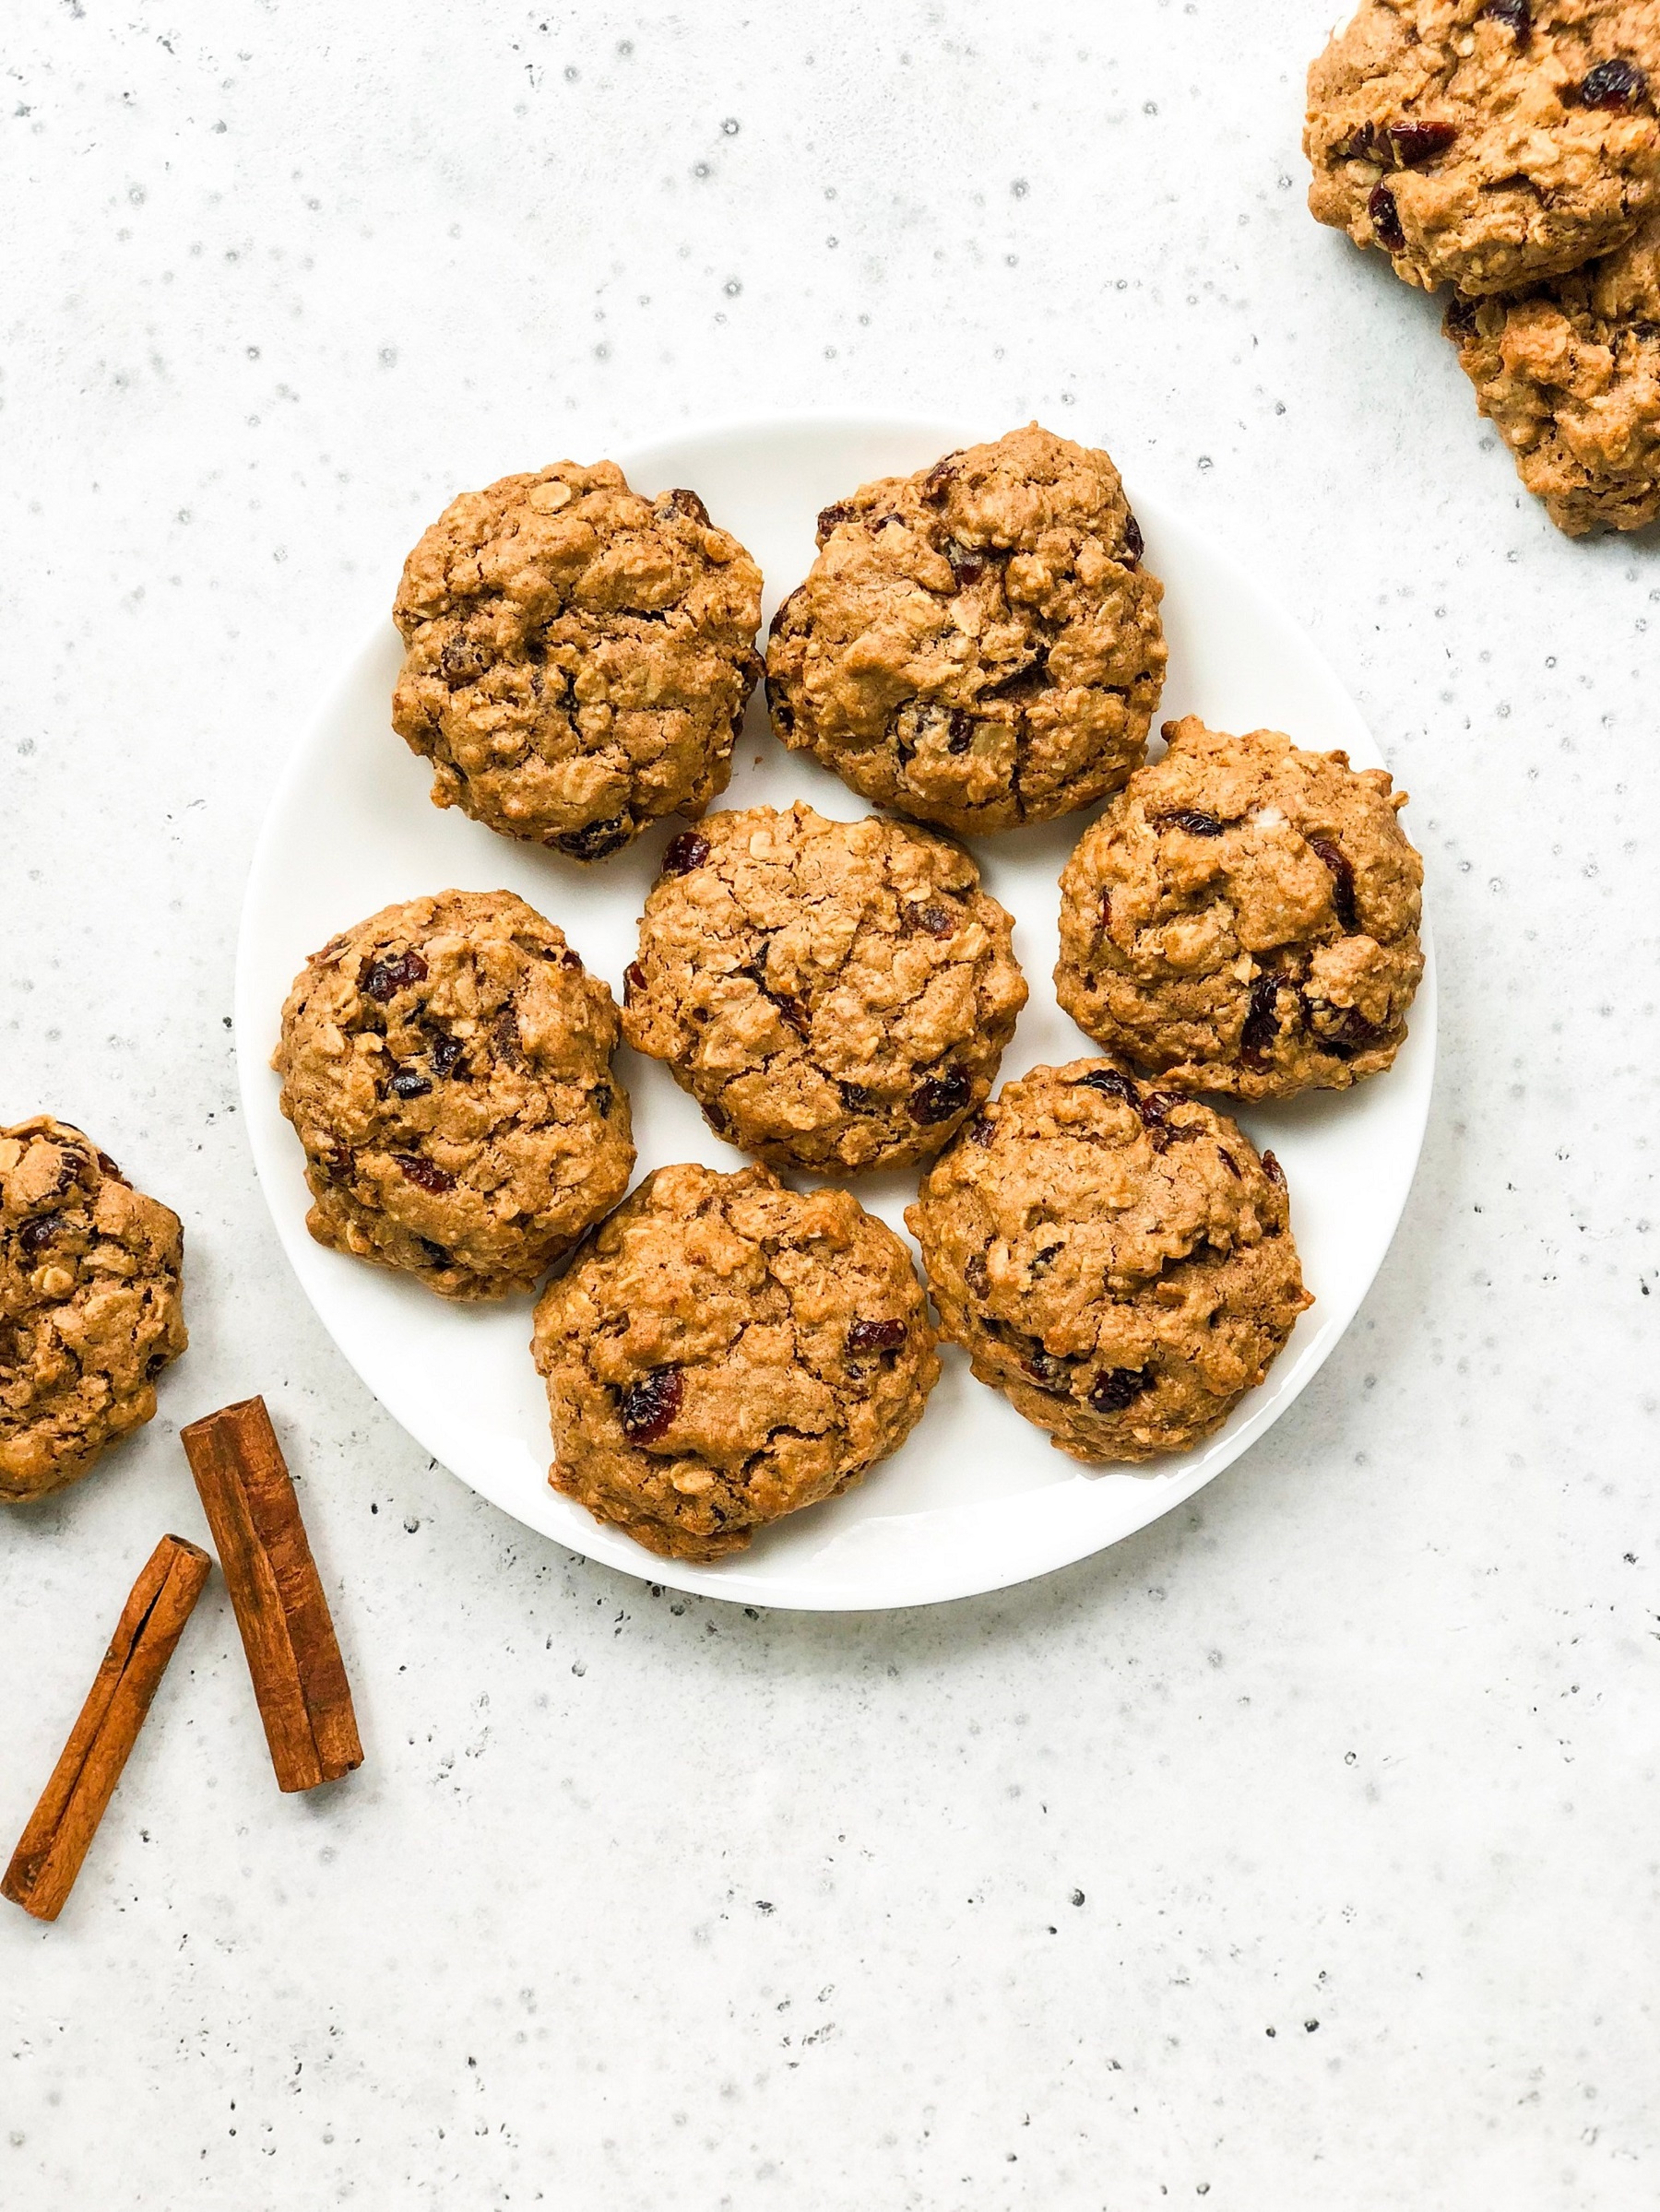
(977, 1499)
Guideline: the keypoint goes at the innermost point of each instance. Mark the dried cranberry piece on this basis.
(1194, 820)
(975, 1274)
(1111, 1084)
(940, 1097)
(685, 852)
(1119, 1386)
(1273, 1170)
(595, 839)
(647, 1406)
(939, 921)
(603, 1099)
(967, 565)
(1135, 545)
(341, 1164)
(792, 1012)
(1612, 84)
(1343, 879)
(426, 1175)
(937, 483)
(408, 1082)
(388, 978)
(856, 1098)
(1228, 1162)
(1362, 147)
(1416, 142)
(786, 603)
(569, 958)
(1262, 1023)
(961, 731)
(875, 1336)
(1048, 1372)
(634, 979)
(1386, 219)
(830, 518)
(505, 1036)
(686, 503)
(35, 1235)
(459, 664)
(982, 1131)
(1515, 16)
(447, 1055)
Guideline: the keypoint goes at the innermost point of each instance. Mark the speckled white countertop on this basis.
(1300, 1852)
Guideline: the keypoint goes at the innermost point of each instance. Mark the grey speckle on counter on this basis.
(1301, 1852)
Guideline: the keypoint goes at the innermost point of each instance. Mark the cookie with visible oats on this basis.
(90, 1305)
(446, 1067)
(1244, 917)
(726, 1352)
(978, 644)
(1487, 143)
(1116, 1259)
(576, 656)
(835, 995)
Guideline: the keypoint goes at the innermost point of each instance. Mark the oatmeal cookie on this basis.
(577, 657)
(1117, 1260)
(90, 1309)
(978, 644)
(1244, 917)
(726, 1351)
(1487, 143)
(446, 1065)
(835, 995)
(1571, 375)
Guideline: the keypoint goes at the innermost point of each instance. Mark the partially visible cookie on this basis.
(1244, 917)
(446, 1067)
(727, 1351)
(91, 1308)
(835, 995)
(1487, 143)
(577, 657)
(1116, 1259)
(1570, 375)
(977, 645)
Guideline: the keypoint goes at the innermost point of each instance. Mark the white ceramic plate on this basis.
(977, 1499)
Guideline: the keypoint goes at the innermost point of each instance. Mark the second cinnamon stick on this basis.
(298, 1675)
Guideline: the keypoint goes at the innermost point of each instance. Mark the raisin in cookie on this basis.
(446, 1065)
(978, 643)
(726, 1351)
(1117, 1260)
(90, 1309)
(577, 657)
(835, 995)
(1570, 375)
(1487, 143)
(1244, 917)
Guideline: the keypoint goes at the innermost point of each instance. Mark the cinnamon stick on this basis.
(298, 1675)
(52, 1845)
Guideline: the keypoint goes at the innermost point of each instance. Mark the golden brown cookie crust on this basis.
(1116, 1259)
(1244, 917)
(1570, 375)
(977, 645)
(1487, 143)
(726, 1351)
(446, 1067)
(577, 657)
(90, 1305)
(835, 995)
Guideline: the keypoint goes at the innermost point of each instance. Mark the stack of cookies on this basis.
(976, 647)
(1509, 149)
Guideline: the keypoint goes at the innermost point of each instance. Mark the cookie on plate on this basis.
(977, 645)
(1116, 1259)
(835, 995)
(1487, 143)
(446, 1067)
(1570, 375)
(727, 1351)
(577, 657)
(1244, 917)
(90, 1305)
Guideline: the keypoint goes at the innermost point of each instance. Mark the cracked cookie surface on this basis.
(446, 1067)
(1115, 1259)
(1487, 143)
(1571, 376)
(90, 1305)
(835, 995)
(1244, 917)
(577, 657)
(977, 645)
(727, 1351)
